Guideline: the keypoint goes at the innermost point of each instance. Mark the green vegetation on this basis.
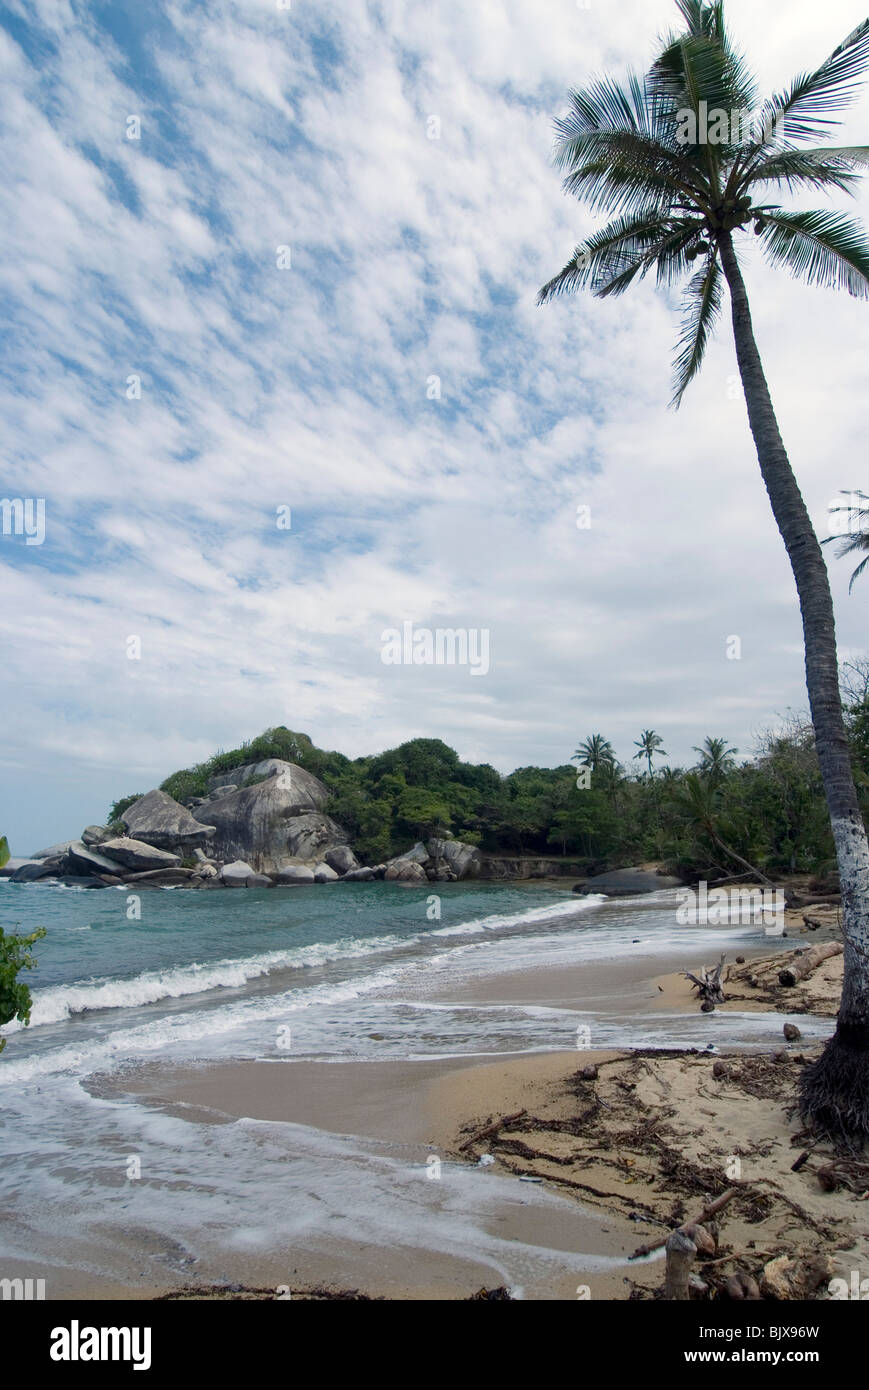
(4, 851)
(715, 819)
(15, 1001)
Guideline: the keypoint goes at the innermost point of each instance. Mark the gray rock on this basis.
(308, 791)
(405, 871)
(341, 859)
(463, 860)
(207, 871)
(259, 881)
(29, 870)
(58, 851)
(236, 875)
(161, 821)
(136, 854)
(295, 873)
(324, 874)
(272, 821)
(623, 883)
(418, 855)
(82, 860)
(359, 876)
(94, 835)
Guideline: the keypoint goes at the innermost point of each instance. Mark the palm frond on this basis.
(824, 248)
(824, 168)
(702, 308)
(611, 258)
(805, 110)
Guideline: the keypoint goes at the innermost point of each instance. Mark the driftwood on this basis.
(491, 1129)
(708, 986)
(706, 1214)
(681, 1251)
(802, 966)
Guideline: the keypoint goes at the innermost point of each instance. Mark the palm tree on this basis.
(858, 533)
(716, 759)
(697, 802)
(651, 745)
(673, 200)
(594, 753)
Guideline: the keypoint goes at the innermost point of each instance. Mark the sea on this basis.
(335, 973)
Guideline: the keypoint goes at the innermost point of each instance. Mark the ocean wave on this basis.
(60, 1002)
(498, 921)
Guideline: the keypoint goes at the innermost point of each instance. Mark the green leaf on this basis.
(823, 248)
(4, 851)
(702, 308)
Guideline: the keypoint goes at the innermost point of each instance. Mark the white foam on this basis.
(498, 921)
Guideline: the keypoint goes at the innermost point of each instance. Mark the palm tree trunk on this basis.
(835, 1089)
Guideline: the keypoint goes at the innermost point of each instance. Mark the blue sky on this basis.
(309, 387)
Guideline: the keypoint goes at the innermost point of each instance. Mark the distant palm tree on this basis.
(651, 745)
(697, 802)
(716, 759)
(594, 753)
(677, 197)
(858, 533)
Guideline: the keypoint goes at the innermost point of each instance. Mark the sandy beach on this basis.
(591, 1168)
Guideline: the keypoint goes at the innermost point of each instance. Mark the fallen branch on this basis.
(491, 1129)
(801, 967)
(706, 1213)
(708, 987)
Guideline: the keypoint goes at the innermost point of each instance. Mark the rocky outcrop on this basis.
(405, 871)
(137, 855)
(441, 861)
(275, 820)
(462, 860)
(81, 860)
(236, 875)
(161, 821)
(305, 791)
(27, 870)
(324, 874)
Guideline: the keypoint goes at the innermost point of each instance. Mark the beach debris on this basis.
(490, 1294)
(491, 1129)
(708, 986)
(485, 1161)
(720, 1069)
(805, 962)
(529, 1177)
(589, 1073)
(801, 1161)
(796, 1277)
(711, 1209)
(792, 1032)
(681, 1253)
(741, 1286)
(852, 1173)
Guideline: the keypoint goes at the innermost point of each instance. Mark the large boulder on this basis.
(136, 854)
(270, 822)
(341, 859)
(307, 791)
(405, 871)
(359, 876)
(625, 883)
(292, 874)
(54, 852)
(236, 875)
(463, 860)
(324, 874)
(27, 870)
(94, 835)
(81, 860)
(160, 820)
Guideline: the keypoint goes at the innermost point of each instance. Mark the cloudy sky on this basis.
(309, 284)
